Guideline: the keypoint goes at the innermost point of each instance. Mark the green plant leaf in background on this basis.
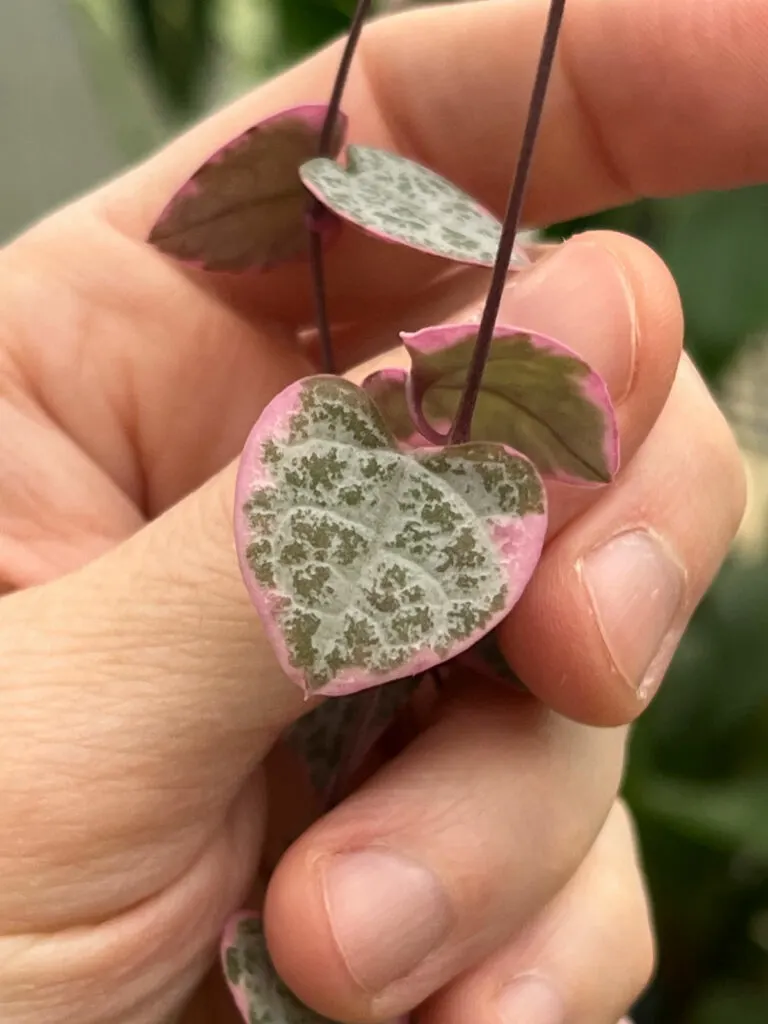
(176, 38)
(306, 25)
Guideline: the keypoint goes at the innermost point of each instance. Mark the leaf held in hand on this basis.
(246, 207)
(397, 200)
(537, 396)
(367, 564)
(262, 997)
(387, 388)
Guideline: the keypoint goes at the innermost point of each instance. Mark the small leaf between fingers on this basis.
(536, 396)
(398, 200)
(246, 207)
(262, 997)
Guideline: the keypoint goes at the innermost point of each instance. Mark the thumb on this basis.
(139, 694)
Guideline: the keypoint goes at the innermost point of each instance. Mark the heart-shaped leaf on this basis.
(537, 396)
(246, 207)
(397, 200)
(262, 997)
(367, 564)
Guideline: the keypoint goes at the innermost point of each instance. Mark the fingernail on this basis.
(530, 999)
(387, 913)
(580, 296)
(636, 586)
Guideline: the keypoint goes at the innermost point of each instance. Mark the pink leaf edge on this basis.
(429, 340)
(229, 939)
(325, 221)
(519, 541)
(520, 258)
(435, 339)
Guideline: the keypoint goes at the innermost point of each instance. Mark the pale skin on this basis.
(138, 697)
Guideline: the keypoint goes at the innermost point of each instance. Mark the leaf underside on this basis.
(400, 201)
(334, 738)
(537, 396)
(368, 564)
(261, 995)
(486, 658)
(246, 207)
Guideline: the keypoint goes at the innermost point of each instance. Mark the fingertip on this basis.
(301, 943)
(603, 616)
(657, 320)
(563, 662)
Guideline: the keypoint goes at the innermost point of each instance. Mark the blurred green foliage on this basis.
(176, 40)
(698, 773)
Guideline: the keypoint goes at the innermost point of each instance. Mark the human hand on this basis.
(138, 694)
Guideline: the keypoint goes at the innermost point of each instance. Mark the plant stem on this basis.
(462, 424)
(345, 64)
(317, 264)
(316, 257)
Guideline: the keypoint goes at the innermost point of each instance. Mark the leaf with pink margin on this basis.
(246, 206)
(397, 200)
(537, 396)
(387, 389)
(261, 996)
(368, 564)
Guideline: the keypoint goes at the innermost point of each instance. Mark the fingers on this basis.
(584, 959)
(613, 593)
(138, 694)
(612, 300)
(176, 378)
(159, 633)
(651, 133)
(138, 967)
(441, 857)
(684, 111)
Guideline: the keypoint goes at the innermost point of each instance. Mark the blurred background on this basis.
(89, 86)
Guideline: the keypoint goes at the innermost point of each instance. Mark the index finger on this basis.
(649, 98)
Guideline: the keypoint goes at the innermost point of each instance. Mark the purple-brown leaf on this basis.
(537, 396)
(246, 207)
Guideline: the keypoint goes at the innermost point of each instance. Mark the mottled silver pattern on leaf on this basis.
(373, 556)
(249, 968)
(401, 201)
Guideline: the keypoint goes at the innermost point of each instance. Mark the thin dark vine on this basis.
(462, 424)
(324, 150)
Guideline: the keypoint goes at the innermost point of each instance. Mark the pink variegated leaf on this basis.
(367, 563)
(537, 396)
(397, 200)
(246, 206)
(260, 994)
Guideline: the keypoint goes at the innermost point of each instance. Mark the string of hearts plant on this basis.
(386, 529)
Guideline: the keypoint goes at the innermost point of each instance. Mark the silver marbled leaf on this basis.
(367, 564)
(398, 200)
